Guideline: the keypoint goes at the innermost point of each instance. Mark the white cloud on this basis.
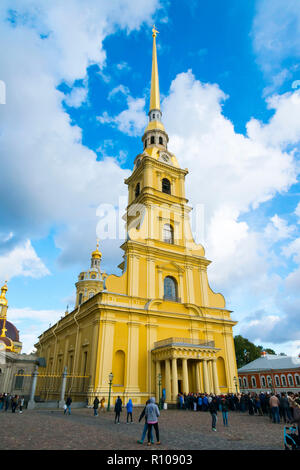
(279, 229)
(276, 30)
(48, 177)
(231, 174)
(77, 96)
(293, 250)
(132, 121)
(22, 261)
(124, 90)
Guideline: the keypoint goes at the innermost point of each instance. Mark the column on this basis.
(198, 385)
(215, 377)
(93, 352)
(105, 354)
(185, 376)
(151, 338)
(204, 286)
(160, 285)
(31, 403)
(205, 377)
(133, 275)
(157, 372)
(150, 278)
(63, 388)
(132, 380)
(190, 284)
(231, 369)
(174, 379)
(168, 380)
(180, 288)
(210, 376)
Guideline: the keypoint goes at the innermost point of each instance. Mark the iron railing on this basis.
(184, 341)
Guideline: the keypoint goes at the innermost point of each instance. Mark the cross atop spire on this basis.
(154, 31)
(154, 96)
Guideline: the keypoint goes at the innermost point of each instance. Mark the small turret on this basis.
(90, 282)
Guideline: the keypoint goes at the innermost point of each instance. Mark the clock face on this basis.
(165, 158)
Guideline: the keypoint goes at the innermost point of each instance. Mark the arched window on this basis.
(19, 380)
(253, 382)
(269, 380)
(168, 234)
(160, 141)
(80, 298)
(277, 381)
(240, 382)
(152, 141)
(146, 141)
(263, 381)
(166, 186)
(245, 381)
(170, 288)
(291, 381)
(297, 379)
(283, 380)
(137, 190)
(91, 294)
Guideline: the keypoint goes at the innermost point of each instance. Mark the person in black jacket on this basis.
(213, 409)
(118, 409)
(145, 426)
(225, 409)
(96, 405)
(68, 405)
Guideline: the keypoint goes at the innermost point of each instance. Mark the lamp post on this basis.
(159, 385)
(235, 383)
(111, 376)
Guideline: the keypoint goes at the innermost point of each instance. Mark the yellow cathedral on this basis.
(158, 325)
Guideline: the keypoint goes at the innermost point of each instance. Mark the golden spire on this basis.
(3, 299)
(154, 95)
(97, 253)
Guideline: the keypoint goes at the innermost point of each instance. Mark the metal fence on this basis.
(48, 386)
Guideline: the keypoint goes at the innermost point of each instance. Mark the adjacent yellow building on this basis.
(158, 325)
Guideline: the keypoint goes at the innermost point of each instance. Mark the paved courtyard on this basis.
(180, 430)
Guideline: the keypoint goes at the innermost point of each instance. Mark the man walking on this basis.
(143, 413)
(68, 405)
(118, 409)
(213, 409)
(129, 408)
(274, 405)
(152, 414)
(95, 406)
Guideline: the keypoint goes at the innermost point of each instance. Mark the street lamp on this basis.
(159, 385)
(111, 376)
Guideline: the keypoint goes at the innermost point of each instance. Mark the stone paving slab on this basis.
(179, 430)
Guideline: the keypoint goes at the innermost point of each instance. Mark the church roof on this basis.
(11, 330)
(271, 362)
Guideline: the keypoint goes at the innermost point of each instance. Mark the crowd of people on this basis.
(280, 407)
(13, 402)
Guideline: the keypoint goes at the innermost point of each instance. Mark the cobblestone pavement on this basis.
(179, 430)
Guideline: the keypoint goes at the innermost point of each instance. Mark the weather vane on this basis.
(154, 31)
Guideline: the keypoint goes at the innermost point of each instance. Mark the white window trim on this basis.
(277, 380)
(288, 379)
(284, 382)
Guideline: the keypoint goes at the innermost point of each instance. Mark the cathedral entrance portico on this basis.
(186, 365)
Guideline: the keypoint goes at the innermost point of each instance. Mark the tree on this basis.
(245, 351)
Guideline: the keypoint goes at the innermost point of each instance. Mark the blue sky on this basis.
(77, 91)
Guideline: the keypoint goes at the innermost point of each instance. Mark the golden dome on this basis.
(97, 254)
(3, 299)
